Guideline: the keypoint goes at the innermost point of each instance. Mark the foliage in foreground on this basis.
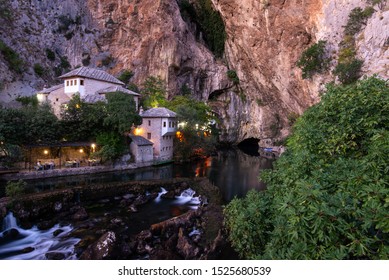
(328, 195)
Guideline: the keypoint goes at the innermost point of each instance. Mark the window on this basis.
(164, 124)
(75, 82)
(149, 123)
(71, 83)
(149, 136)
(81, 82)
(170, 124)
(67, 83)
(56, 99)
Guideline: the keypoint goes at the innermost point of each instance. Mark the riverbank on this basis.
(27, 174)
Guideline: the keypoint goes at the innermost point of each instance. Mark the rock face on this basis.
(264, 41)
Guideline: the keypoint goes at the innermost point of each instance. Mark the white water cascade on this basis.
(160, 194)
(187, 197)
(26, 244)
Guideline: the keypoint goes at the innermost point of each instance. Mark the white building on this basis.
(91, 84)
(159, 126)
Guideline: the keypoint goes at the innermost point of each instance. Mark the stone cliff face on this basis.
(264, 41)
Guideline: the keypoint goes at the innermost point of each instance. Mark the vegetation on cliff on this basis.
(327, 196)
(314, 60)
(208, 21)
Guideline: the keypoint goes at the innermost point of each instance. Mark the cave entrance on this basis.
(250, 146)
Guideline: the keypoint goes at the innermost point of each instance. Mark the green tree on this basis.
(112, 146)
(81, 121)
(196, 137)
(41, 125)
(327, 196)
(153, 93)
(121, 112)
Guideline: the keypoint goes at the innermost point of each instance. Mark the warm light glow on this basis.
(93, 147)
(180, 136)
(81, 151)
(78, 106)
(46, 152)
(181, 124)
(138, 131)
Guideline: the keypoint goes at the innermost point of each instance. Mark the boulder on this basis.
(80, 215)
(102, 248)
(55, 256)
(27, 250)
(57, 232)
(185, 247)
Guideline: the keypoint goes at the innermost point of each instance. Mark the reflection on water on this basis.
(232, 170)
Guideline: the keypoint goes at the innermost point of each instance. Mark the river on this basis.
(232, 170)
(235, 172)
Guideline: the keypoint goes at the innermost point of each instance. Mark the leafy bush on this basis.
(50, 55)
(39, 69)
(356, 19)
(107, 60)
(28, 100)
(349, 72)
(15, 63)
(15, 189)
(125, 76)
(327, 196)
(233, 77)
(313, 60)
(86, 60)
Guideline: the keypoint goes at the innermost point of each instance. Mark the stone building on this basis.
(141, 149)
(159, 126)
(91, 84)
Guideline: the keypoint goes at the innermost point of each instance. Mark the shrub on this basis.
(107, 60)
(313, 60)
(326, 196)
(349, 72)
(50, 55)
(356, 19)
(86, 60)
(39, 69)
(233, 77)
(125, 76)
(15, 189)
(15, 63)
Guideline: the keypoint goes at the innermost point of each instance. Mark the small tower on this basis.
(159, 125)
